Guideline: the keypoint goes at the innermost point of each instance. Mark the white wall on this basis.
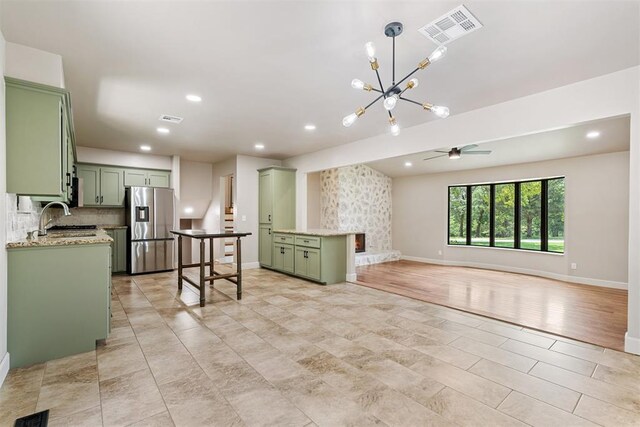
(246, 204)
(605, 96)
(123, 158)
(27, 63)
(596, 219)
(313, 200)
(4, 356)
(196, 188)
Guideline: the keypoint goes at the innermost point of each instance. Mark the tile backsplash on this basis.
(90, 216)
(23, 215)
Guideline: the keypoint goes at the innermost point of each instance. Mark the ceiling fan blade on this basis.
(469, 147)
(477, 152)
(435, 157)
(441, 151)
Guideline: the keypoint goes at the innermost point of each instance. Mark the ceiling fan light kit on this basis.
(392, 94)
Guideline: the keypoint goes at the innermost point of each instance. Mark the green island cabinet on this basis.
(146, 178)
(276, 206)
(118, 249)
(59, 301)
(319, 258)
(40, 135)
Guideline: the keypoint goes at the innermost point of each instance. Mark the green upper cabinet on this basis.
(277, 207)
(39, 130)
(101, 185)
(111, 187)
(146, 178)
(158, 179)
(90, 178)
(135, 178)
(266, 196)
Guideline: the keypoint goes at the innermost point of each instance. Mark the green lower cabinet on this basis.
(283, 258)
(118, 249)
(58, 301)
(307, 262)
(266, 246)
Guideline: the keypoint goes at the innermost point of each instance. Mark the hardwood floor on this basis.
(587, 313)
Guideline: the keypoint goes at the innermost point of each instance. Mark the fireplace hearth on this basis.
(360, 242)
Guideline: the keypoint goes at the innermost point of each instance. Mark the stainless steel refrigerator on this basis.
(150, 219)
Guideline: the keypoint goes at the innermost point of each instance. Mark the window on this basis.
(530, 215)
(505, 210)
(480, 210)
(555, 232)
(518, 215)
(457, 215)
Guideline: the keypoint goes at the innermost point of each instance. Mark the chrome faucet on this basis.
(42, 229)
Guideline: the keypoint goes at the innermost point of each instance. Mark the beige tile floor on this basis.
(296, 353)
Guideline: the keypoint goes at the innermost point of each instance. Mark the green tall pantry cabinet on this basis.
(277, 207)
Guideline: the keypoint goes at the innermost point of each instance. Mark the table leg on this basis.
(211, 260)
(179, 263)
(239, 268)
(202, 261)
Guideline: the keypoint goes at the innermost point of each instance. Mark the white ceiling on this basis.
(556, 144)
(265, 69)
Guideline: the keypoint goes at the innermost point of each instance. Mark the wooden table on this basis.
(202, 235)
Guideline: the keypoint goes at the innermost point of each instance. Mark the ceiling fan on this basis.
(456, 153)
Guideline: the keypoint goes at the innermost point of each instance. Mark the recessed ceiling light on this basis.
(408, 164)
(310, 127)
(593, 134)
(145, 148)
(259, 146)
(188, 210)
(163, 130)
(193, 98)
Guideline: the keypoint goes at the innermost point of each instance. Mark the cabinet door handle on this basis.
(269, 217)
(97, 199)
(101, 199)
(68, 179)
(269, 231)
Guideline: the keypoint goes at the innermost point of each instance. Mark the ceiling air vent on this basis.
(453, 25)
(171, 119)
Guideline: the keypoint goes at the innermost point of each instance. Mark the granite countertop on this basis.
(111, 227)
(63, 238)
(320, 232)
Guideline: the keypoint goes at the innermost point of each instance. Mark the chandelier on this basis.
(394, 93)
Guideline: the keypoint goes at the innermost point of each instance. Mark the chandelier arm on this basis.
(406, 77)
(390, 115)
(411, 101)
(380, 82)
(374, 101)
(376, 90)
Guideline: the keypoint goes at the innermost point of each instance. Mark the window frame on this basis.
(544, 215)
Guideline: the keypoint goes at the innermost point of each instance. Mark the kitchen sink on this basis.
(68, 234)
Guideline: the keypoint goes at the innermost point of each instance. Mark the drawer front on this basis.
(308, 241)
(283, 238)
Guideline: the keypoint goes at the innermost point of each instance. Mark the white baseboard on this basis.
(351, 277)
(548, 275)
(4, 368)
(250, 265)
(631, 344)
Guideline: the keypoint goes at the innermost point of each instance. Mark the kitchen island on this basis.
(59, 295)
(321, 255)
